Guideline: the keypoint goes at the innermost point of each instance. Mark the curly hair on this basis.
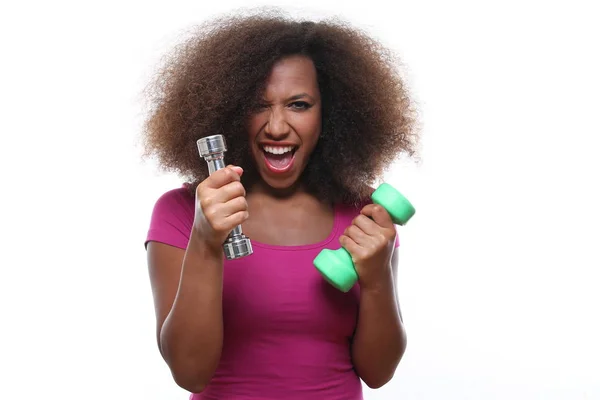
(210, 83)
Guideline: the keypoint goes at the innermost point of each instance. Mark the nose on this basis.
(277, 127)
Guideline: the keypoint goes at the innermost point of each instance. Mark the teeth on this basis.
(278, 149)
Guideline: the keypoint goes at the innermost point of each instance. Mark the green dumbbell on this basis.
(336, 266)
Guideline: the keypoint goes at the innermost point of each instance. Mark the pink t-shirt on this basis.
(287, 332)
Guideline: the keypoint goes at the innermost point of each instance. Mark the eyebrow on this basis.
(296, 97)
(300, 96)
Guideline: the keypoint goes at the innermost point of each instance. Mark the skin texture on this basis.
(298, 101)
(380, 338)
(187, 285)
(290, 113)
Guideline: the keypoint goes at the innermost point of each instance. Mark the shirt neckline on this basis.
(332, 235)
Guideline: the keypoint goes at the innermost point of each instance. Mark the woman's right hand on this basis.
(220, 206)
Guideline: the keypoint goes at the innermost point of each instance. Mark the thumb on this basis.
(379, 215)
(238, 170)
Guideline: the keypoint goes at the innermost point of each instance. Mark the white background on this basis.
(498, 280)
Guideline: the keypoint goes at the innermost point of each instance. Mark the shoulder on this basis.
(172, 218)
(351, 209)
(175, 200)
(346, 212)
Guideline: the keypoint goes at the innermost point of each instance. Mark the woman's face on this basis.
(286, 126)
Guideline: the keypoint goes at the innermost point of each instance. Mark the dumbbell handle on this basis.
(216, 162)
(212, 149)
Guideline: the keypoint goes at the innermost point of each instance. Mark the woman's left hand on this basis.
(370, 242)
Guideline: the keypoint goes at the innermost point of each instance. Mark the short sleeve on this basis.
(172, 218)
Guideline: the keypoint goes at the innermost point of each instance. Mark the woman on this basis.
(312, 113)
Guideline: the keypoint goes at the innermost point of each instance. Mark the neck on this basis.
(265, 199)
(262, 189)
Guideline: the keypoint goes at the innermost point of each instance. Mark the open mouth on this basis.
(279, 158)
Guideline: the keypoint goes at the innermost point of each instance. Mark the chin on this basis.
(280, 184)
(279, 179)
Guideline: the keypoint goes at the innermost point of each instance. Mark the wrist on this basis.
(383, 283)
(198, 244)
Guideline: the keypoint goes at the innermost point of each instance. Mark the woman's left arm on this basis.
(380, 339)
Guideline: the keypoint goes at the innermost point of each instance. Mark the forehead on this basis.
(292, 74)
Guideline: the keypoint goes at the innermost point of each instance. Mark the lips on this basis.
(279, 158)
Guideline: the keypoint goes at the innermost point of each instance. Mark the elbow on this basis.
(192, 385)
(189, 375)
(378, 382)
(379, 377)
(193, 388)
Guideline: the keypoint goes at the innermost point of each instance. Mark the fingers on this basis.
(351, 246)
(233, 206)
(222, 186)
(230, 191)
(229, 222)
(357, 234)
(225, 216)
(237, 169)
(372, 227)
(220, 203)
(366, 224)
(223, 176)
(378, 214)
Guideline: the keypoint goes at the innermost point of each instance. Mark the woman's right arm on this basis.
(187, 284)
(187, 296)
